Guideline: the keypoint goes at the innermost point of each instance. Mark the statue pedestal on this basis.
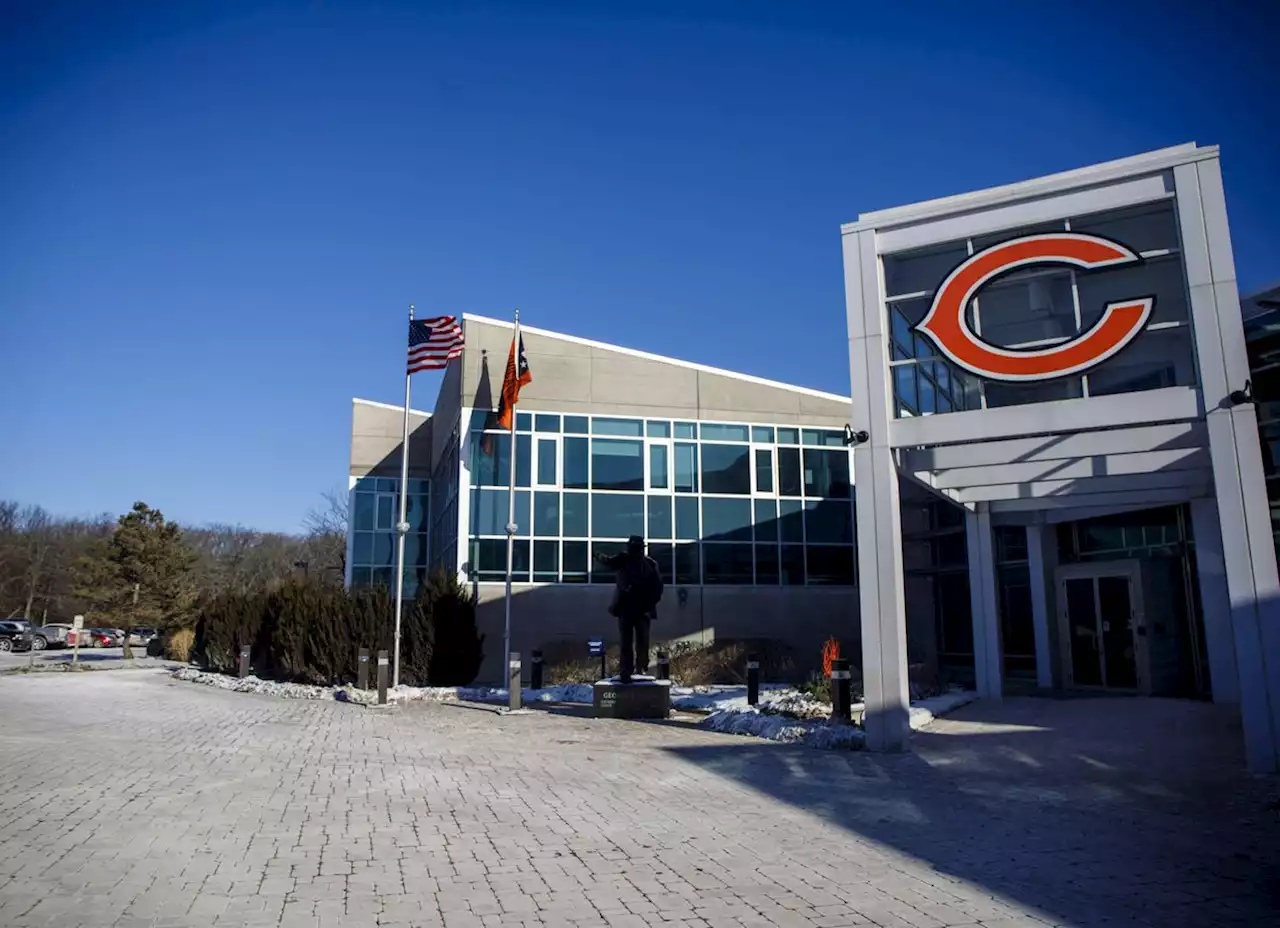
(642, 698)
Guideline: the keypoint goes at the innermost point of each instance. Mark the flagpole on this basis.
(402, 527)
(511, 517)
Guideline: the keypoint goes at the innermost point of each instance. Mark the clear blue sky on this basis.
(213, 215)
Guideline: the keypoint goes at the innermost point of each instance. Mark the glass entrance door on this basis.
(1101, 616)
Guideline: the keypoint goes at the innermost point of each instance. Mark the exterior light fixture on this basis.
(854, 438)
(1240, 397)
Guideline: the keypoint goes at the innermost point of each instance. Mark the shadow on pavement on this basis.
(1086, 811)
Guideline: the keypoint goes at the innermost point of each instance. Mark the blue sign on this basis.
(595, 646)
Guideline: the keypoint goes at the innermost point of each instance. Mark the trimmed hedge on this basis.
(308, 632)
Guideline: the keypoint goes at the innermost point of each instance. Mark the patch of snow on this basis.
(816, 730)
(569, 692)
(924, 711)
(711, 698)
(787, 730)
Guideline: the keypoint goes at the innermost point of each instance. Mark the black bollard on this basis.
(840, 708)
(244, 661)
(753, 679)
(664, 666)
(362, 669)
(513, 688)
(382, 678)
(535, 670)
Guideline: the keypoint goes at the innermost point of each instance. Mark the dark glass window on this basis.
(524, 422)
(686, 468)
(687, 518)
(575, 515)
(575, 463)
(489, 512)
(828, 521)
(826, 473)
(658, 429)
(727, 563)
(491, 460)
(688, 564)
(617, 464)
(546, 461)
(793, 565)
(791, 519)
(546, 561)
(762, 433)
(544, 422)
(686, 430)
(713, 431)
(764, 470)
(788, 437)
(726, 469)
(789, 471)
(659, 479)
(363, 515)
(726, 519)
(663, 554)
(922, 269)
(575, 425)
(1149, 227)
(766, 518)
(630, 428)
(830, 565)
(616, 515)
(659, 517)
(600, 573)
(546, 514)
(766, 564)
(575, 561)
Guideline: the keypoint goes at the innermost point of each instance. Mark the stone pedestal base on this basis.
(642, 698)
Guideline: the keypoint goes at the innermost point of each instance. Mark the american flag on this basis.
(433, 343)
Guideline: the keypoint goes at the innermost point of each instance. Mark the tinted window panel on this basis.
(617, 465)
(686, 468)
(546, 561)
(575, 463)
(788, 437)
(712, 431)
(575, 561)
(726, 469)
(789, 471)
(1028, 307)
(1156, 277)
(828, 522)
(687, 517)
(630, 428)
(922, 269)
(616, 515)
(764, 470)
(688, 564)
(826, 473)
(1148, 227)
(659, 478)
(659, 517)
(791, 519)
(830, 566)
(792, 565)
(726, 519)
(727, 563)
(575, 515)
(766, 564)
(766, 518)
(575, 425)
(546, 514)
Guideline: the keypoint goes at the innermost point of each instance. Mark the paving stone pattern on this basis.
(132, 801)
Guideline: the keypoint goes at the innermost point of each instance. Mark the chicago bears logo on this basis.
(948, 328)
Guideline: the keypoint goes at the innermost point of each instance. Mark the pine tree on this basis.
(141, 574)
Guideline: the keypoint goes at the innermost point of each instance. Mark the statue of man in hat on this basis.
(635, 603)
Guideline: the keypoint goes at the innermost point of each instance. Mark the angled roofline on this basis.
(375, 403)
(690, 365)
(1159, 160)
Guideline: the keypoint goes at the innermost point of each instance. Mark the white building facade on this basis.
(1064, 358)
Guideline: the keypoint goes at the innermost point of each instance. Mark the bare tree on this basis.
(326, 527)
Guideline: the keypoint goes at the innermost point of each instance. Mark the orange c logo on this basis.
(948, 327)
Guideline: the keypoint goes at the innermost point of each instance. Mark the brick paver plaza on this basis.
(129, 800)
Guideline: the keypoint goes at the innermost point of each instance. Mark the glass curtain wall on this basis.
(373, 524)
(718, 503)
(1044, 306)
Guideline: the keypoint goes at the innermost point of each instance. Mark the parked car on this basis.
(14, 637)
(100, 638)
(141, 635)
(53, 635)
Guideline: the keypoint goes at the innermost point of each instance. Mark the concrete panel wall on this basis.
(376, 435)
(572, 377)
(447, 410)
(802, 617)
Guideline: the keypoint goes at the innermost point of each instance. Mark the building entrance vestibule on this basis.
(1103, 627)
